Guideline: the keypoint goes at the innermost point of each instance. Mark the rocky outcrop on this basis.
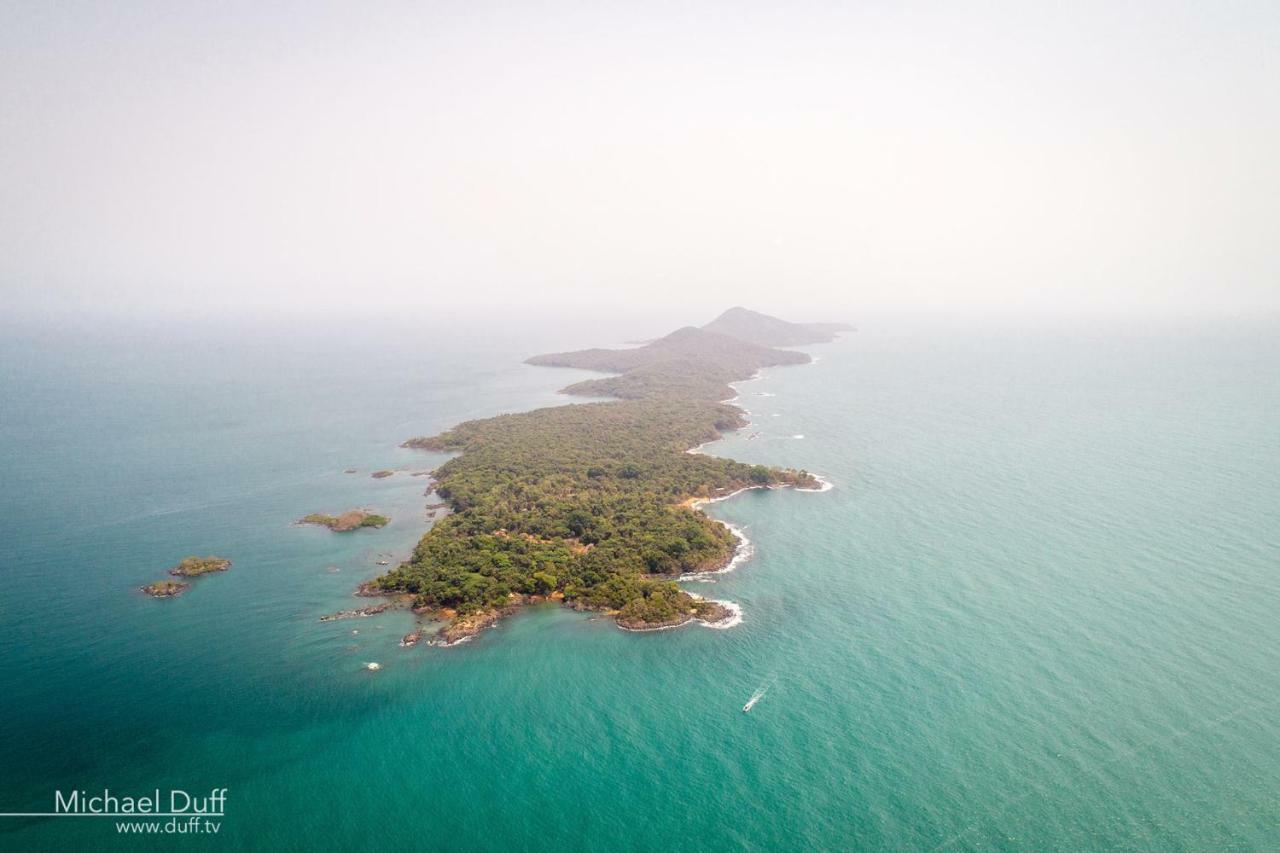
(371, 610)
(466, 626)
(165, 589)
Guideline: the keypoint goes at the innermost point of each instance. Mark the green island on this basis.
(187, 567)
(352, 519)
(191, 567)
(594, 504)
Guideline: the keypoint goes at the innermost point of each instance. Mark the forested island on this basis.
(352, 519)
(193, 567)
(591, 504)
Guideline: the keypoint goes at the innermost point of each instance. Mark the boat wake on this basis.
(755, 697)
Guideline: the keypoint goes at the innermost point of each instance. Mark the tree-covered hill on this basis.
(689, 363)
(688, 345)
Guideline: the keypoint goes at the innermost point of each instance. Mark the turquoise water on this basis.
(1039, 609)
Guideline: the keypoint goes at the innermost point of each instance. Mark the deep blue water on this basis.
(1039, 609)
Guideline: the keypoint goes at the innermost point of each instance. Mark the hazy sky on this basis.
(852, 154)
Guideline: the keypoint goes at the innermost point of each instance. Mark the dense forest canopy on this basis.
(591, 502)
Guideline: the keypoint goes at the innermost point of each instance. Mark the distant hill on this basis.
(687, 344)
(694, 363)
(763, 330)
(689, 362)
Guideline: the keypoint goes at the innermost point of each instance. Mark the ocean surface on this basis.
(1040, 608)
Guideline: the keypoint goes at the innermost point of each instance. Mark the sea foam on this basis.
(733, 620)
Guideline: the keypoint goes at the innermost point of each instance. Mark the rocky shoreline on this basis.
(710, 613)
(461, 627)
(464, 627)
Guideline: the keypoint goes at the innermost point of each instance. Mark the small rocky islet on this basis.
(187, 567)
(165, 589)
(357, 613)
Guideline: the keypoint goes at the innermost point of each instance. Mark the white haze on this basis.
(1009, 157)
